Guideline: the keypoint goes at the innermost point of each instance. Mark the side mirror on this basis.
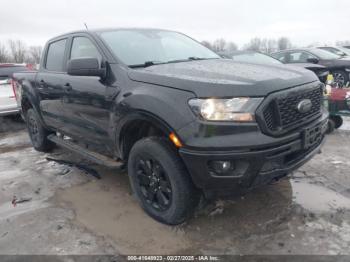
(313, 60)
(85, 67)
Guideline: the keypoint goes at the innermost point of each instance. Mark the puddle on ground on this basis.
(106, 206)
(317, 198)
(7, 149)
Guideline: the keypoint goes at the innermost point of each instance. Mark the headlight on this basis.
(240, 109)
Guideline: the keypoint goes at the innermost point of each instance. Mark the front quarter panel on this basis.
(169, 105)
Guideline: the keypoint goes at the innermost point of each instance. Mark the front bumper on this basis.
(253, 166)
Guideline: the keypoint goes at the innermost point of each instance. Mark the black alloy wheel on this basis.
(154, 183)
(161, 182)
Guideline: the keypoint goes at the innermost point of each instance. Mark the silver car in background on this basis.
(8, 103)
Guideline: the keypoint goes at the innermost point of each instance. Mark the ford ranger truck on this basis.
(185, 122)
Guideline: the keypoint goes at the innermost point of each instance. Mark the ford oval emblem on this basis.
(304, 106)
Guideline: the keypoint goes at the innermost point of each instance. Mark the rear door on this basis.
(50, 83)
(85, 104)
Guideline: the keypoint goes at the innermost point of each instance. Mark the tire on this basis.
(338, 121)
(330, 126)
(37, 133)
(341, 77)
(160, 181)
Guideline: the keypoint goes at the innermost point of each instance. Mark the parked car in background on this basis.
(8, 103)
(337, 65)
(260, 58)
(336, 50)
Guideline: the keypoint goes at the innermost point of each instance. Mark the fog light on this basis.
(221, 167)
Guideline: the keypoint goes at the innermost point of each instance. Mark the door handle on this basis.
(42, 83)
(67, 87)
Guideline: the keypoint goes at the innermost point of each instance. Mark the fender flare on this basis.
(138, 115)
(29, 96)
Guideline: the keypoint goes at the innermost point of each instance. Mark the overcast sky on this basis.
(303, 21)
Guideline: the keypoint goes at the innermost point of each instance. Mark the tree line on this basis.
(264, 45)
(16, 51)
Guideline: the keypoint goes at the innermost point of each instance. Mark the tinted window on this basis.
(345, 50)
(281, 57)
(6, 72)
(55, 56)
(333, 50)
(299, 57)
(323, 54)
(83, 47)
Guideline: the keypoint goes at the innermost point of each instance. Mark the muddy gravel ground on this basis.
(62, 209)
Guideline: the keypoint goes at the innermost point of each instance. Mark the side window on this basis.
(55, 56)
(281, 57)
(300, 57)
(83, 47)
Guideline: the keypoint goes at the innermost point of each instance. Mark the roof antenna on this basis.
(86, 26)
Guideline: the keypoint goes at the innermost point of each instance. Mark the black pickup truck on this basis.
(181, 119)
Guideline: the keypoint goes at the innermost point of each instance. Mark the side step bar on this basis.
(86, 153)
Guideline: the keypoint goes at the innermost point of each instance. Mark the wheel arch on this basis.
(27, 102)
(138, 125)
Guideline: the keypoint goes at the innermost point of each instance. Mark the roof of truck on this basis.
(97, 30)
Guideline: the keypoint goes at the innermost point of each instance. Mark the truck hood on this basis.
(223, 77)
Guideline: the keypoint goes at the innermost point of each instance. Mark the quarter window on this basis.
(55, 56)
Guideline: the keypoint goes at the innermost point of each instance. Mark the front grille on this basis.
(281, 113)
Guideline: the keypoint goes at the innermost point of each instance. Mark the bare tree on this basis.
(254, 44)
(271, 46)
(231, 46)
(343, 43)
(17, 50)
(283, 43)
(3, 54)
(35, 54)
(263, 45)
(219, 45)
(207, 44)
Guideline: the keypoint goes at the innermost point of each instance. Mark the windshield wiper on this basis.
(191, 58)
(197, 58)
(147, 64)
(152, 63)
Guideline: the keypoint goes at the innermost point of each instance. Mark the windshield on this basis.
(323, 54)
(255, 58)
(344, 50)
(137, 47)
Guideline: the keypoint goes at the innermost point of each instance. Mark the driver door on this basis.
(84, 102)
